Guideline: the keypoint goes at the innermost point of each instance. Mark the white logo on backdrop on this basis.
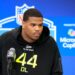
(18, 17)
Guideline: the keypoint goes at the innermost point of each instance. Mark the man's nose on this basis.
(37, 28)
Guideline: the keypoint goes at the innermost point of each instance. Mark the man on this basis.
(29, 50)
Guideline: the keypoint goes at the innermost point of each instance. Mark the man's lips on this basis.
(36, 34)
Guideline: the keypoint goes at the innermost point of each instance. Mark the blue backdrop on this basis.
(59, 16)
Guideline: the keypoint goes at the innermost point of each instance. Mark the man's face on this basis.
(32, 28)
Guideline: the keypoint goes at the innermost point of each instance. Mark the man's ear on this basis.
(22, 24)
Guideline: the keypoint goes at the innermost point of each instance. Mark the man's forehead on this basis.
(35, 18)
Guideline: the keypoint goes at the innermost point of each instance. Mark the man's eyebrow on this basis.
(41, 23)
(37, 24)
(33, 23)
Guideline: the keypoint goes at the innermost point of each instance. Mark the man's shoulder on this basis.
(8, 34)
(51, 40)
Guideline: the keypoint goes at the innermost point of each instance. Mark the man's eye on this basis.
(33, 24)
(40, 25)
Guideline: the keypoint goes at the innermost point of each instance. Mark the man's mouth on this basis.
(37, 34)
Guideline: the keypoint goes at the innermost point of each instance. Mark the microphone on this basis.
(11, 55)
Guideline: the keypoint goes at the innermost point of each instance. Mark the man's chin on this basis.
(36, 38)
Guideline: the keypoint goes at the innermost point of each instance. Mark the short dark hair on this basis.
(31, 13)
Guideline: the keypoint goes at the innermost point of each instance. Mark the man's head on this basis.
(32, 25)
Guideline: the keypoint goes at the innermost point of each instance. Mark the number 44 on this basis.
(22, 59)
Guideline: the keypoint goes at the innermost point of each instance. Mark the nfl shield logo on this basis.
(19, 12)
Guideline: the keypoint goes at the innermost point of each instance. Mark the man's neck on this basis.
(26, 38)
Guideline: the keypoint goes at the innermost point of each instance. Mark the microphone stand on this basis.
(9, 67)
